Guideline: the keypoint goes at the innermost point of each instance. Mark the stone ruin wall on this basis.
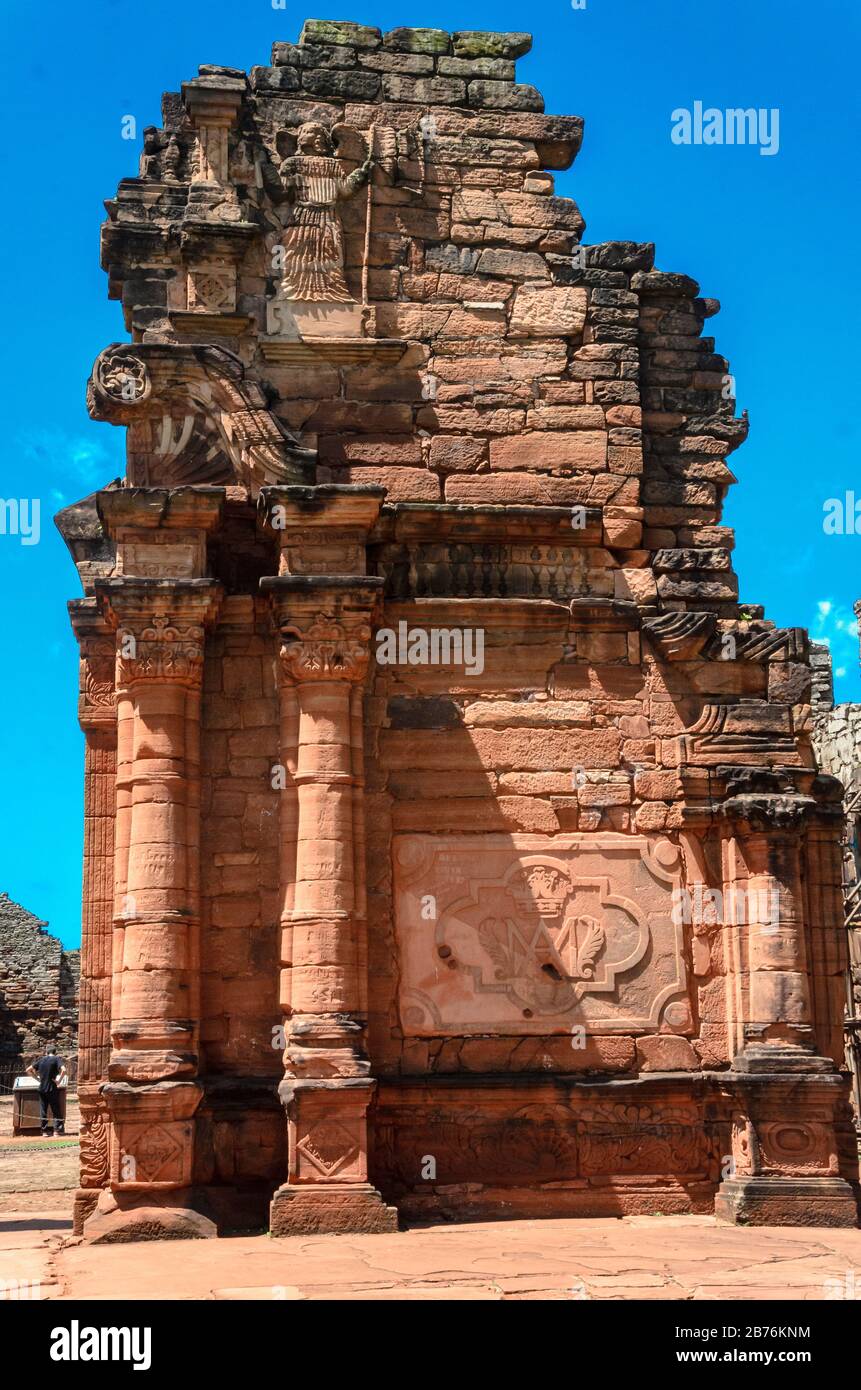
(38, 992)
(837, 741)
(547, 428)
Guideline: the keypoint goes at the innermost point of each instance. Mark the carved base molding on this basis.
(558, 1201)
(786, 1202)
(336, 1209)
(483, 1148)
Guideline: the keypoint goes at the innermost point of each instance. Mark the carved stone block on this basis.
(533, 934)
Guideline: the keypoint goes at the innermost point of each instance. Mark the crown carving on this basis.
(541, 888)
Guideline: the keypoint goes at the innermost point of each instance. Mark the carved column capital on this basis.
(326, 649)
(325, 625)
(160, 627)
(160, 652)
(777, 816)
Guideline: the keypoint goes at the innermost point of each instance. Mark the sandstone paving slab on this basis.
(24, 1267)
(422, 1293)
(22, 1233)
(574, 1259)
(259, 1293)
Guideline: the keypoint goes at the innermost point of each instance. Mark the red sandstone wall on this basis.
(566, 408)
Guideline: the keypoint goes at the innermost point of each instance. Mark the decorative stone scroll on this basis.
(226, 431)
(528, 934)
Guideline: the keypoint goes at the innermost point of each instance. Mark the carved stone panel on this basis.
(536, 934)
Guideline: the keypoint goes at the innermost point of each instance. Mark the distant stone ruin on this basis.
(38, 992)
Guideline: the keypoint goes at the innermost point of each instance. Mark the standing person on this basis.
(49, 1071)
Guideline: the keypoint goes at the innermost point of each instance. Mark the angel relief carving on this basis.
(309, 255)
(313, 242)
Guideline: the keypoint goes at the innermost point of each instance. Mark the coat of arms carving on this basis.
(534, 935)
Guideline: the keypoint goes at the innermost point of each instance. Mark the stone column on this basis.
(152, 1092)
(784, 1097)
(98, 719)
(322, 602)
(325, 630)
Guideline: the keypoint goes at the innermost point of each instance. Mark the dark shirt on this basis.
(48, 1069)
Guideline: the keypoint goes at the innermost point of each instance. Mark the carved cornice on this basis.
(680, 636)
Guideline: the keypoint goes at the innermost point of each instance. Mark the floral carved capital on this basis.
(160, 652)
(327, 649)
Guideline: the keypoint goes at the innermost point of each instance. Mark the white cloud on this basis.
(837, 626)
(61, 466)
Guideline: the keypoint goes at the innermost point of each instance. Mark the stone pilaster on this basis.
(786, 1098)
(98, 720)
(158, 631)
(324, 622)
(152, 1092)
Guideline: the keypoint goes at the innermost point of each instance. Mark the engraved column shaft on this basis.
(160, 636)
(98, 719)
(777, 953)
(324, 660)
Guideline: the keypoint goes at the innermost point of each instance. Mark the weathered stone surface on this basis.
(505, 96)
(519, 265)
(498, 69)
(326, 31)
(551, 313)
(426, 737)
(575, 449)
(147, 1223)
(417, 40)
(434, 91)
(478, 44)
(343, 85)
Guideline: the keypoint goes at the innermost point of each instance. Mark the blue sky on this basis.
(776, 239)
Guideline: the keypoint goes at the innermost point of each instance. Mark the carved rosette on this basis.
(122, 376)
(326, 649)
(160, 652)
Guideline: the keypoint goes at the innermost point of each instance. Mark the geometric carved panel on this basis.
(538, 934)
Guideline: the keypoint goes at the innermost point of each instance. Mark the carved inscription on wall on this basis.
(533, 934)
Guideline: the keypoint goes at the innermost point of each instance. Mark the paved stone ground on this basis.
(643, 1257)
(638, 1257)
